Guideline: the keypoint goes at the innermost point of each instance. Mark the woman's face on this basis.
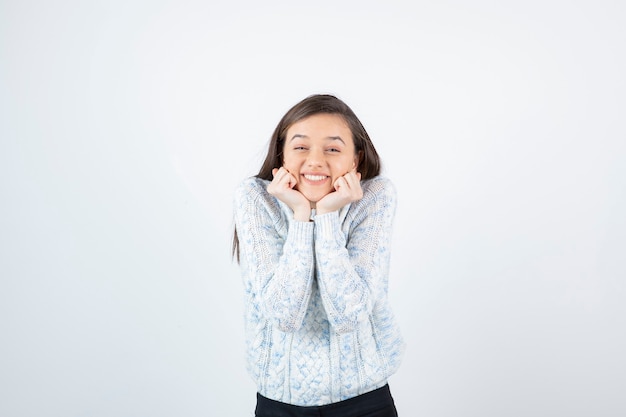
(318, 150)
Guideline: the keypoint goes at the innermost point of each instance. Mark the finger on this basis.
(291, 180)
(353, 185)
(351, 179)
(281, 174)
(340, 182)
(356, 175)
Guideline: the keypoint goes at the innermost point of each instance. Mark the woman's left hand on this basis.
(347, 190)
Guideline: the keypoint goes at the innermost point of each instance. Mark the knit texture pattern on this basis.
(319, 327)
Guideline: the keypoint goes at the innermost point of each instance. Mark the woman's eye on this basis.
(299, 148)
(334, 150)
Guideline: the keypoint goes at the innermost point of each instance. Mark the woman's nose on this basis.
(315, 157)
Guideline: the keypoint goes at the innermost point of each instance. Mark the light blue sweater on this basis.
(319, 328)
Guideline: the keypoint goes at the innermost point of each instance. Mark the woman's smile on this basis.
(315, 179)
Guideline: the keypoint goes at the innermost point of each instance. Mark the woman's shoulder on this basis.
(379, 200)
(377, 187)
(379, 195)
(252, 188)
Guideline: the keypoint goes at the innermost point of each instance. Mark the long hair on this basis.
(368, 165)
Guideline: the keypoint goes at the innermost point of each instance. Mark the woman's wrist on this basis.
(322, 210)
(302, 214)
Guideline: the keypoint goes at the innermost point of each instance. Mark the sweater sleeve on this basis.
(353, 270)
(278, 264)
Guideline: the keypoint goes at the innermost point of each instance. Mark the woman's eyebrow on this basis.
(300, 136)
(336, 138)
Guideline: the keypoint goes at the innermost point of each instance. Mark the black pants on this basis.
(377, 403)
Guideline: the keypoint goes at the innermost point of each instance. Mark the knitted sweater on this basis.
(319, 327)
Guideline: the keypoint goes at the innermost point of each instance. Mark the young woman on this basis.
(312, 235)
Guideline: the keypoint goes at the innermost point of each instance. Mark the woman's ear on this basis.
(357, 160)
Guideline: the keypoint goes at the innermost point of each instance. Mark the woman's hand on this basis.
(347, 190)
(281, 187)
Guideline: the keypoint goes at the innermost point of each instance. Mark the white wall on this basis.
(126, 125)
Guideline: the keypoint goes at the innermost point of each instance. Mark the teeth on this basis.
(314, 177)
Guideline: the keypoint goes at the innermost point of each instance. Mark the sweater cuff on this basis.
(327, 227)
(301, 232)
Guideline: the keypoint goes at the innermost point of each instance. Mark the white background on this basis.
(126, 125)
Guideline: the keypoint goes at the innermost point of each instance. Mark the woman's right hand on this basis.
(281, 187)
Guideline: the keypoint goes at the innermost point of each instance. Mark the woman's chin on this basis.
(314, 198)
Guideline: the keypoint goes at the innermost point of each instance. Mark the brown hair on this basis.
(369, 164)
